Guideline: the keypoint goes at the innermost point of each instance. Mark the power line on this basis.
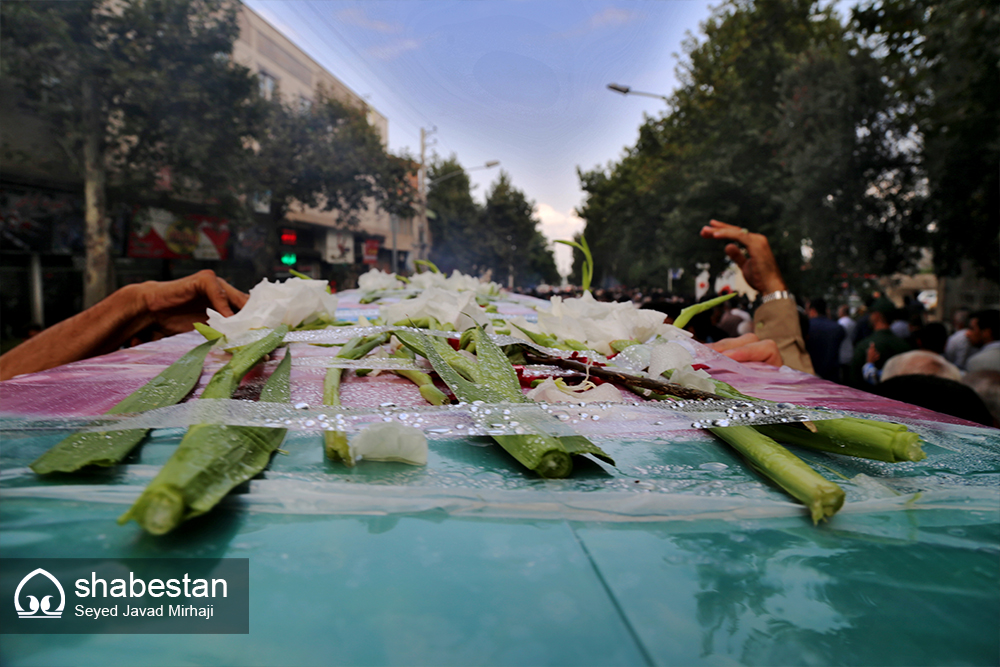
(368, 75)
(364, 60)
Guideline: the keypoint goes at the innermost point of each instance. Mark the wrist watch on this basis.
(774, 296)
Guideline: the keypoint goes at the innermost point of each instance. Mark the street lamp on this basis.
(627, 90)
(488, 165)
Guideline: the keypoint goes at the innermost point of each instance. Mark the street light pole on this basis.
(627, 90)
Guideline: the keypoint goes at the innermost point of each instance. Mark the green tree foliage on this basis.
(328, 156)
(851, 183)
(133, 88)
(518, 252)
(941, 59)
(785, 123)
(455, 224)
(501, 237)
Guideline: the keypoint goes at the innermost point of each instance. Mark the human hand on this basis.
(872, 355)
(757, 262)
(174, 306)
(749, 348)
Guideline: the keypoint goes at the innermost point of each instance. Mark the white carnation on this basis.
(597, 323)
(668, 356)
(456, 308)
(390, 442)
(271, 304)
(556, 391)
(693, 379)
(456, 282)
(378, 280)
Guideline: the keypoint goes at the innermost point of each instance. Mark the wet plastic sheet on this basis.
(679, 555)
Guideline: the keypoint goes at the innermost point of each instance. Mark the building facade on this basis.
(314, 242)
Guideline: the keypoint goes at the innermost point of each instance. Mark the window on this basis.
(268, 84)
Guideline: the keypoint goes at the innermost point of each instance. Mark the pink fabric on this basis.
(93, 386)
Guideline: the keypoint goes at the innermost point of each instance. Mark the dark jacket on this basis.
(823, 344)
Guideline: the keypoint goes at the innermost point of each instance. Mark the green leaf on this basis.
(107, 448)
(227, 378)
(209, 462)
(588, 260)
(428, 264)
(208, 332)
(685, 315)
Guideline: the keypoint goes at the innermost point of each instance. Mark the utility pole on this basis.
(422, 184)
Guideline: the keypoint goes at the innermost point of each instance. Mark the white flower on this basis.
(377, 280)
(457, 282)
(596, 323)
(557, 391)
(390, 442)
(271, 304)
(427, 280)
(456, 308)
(667, 356)
(693, 379)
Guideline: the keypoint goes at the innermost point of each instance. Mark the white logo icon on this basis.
(38, 609)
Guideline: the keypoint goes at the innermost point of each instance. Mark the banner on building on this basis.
(371, 251)
(339, 247)
(157, 233)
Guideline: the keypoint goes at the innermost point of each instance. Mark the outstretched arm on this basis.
(152, 308)
(757, 262)
(777, 320)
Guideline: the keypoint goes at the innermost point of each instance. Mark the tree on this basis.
(940, 57)
(456, 219)
(780, 125)
(135, 90)
(329, 157)
(853, 181)
(517, 250)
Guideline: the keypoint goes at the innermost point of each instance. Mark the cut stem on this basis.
(821, 496)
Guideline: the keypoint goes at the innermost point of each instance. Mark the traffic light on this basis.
(289, 259)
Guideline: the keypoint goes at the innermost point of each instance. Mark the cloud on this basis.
(392, 50)
(610, 17)
(355, 16)
(557, 225)
(387, 51)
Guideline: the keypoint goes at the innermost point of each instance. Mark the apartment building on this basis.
(316, 238)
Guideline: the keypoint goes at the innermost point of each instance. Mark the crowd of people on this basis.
(881, 348)
(894, 351)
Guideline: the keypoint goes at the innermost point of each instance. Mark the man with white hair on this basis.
(920, 362)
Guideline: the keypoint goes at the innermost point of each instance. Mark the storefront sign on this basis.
(339, 247)
(158, 233)
(371, 251)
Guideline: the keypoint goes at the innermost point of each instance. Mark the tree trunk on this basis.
(96, 274)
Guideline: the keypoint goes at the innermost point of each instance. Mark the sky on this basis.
(522, 81)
